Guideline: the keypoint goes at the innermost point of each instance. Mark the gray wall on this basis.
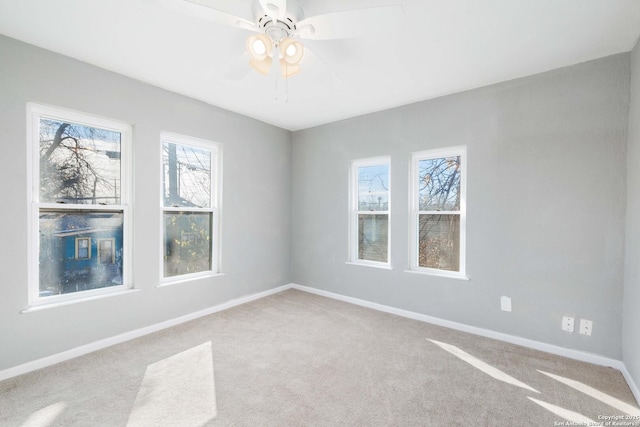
(255, 249)
(546, 204)
(631, 321)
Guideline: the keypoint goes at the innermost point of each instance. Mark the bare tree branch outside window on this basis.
(79, 164)
(80, 248)
(439, 218)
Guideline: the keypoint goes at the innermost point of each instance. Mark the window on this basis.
(438, 181)
(106, 253)
(369, 217)
(190, 212)
(82, 247)
(79, 197)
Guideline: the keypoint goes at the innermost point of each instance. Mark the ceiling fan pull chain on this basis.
(286, 85)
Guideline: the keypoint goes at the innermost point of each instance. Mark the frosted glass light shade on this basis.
(291, 51)
(260, 50)
(263, 66)
(259, 46)
(291, 55)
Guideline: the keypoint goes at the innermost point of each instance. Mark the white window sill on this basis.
(46, 306)
(362, 264)
(185, 279)
(429, 273)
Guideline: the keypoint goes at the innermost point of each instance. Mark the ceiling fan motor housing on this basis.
(278, 29)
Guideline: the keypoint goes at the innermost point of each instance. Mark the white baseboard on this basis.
(536, 345)
(632, 384)
(107, 342)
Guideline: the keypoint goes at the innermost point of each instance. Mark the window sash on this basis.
(189, 260)
(441, 254)
(191, 168)
(36, 112)
(35, 285)
(371, 248)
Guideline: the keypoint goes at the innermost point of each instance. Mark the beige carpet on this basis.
(296, 359)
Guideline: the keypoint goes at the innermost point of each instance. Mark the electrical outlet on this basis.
(586, 326)
(567, 324)
(505, 304)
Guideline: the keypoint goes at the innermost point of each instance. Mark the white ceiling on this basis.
(441, 47)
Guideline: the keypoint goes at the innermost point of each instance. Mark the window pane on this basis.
(439, 184)
(61, 272)
(373, 237)
(187, 238)
(373, 188)
(439, 242)
(187, 176)
(78, 163)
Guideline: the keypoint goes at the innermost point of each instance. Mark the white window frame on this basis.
(215, 148)
(34, 113)
(415, 211)
(354, 211)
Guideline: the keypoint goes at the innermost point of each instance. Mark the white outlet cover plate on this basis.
(586, 326)
(568, 324)
(505, 304)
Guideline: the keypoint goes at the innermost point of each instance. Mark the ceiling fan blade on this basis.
(276, 9)
(350, 23)
(204, 9)
(317, 68)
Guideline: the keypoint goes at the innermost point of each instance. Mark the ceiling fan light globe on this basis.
(291, 51)
(258, 47)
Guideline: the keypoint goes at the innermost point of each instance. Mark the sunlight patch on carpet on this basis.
(483, 366)
(596, 394)
(178, 390)
(565, 413)
(46, 416)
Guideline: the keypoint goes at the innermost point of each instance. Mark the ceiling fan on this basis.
(279, 24)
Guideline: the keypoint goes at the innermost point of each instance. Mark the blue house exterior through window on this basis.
(66, 265)
(80, 197)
